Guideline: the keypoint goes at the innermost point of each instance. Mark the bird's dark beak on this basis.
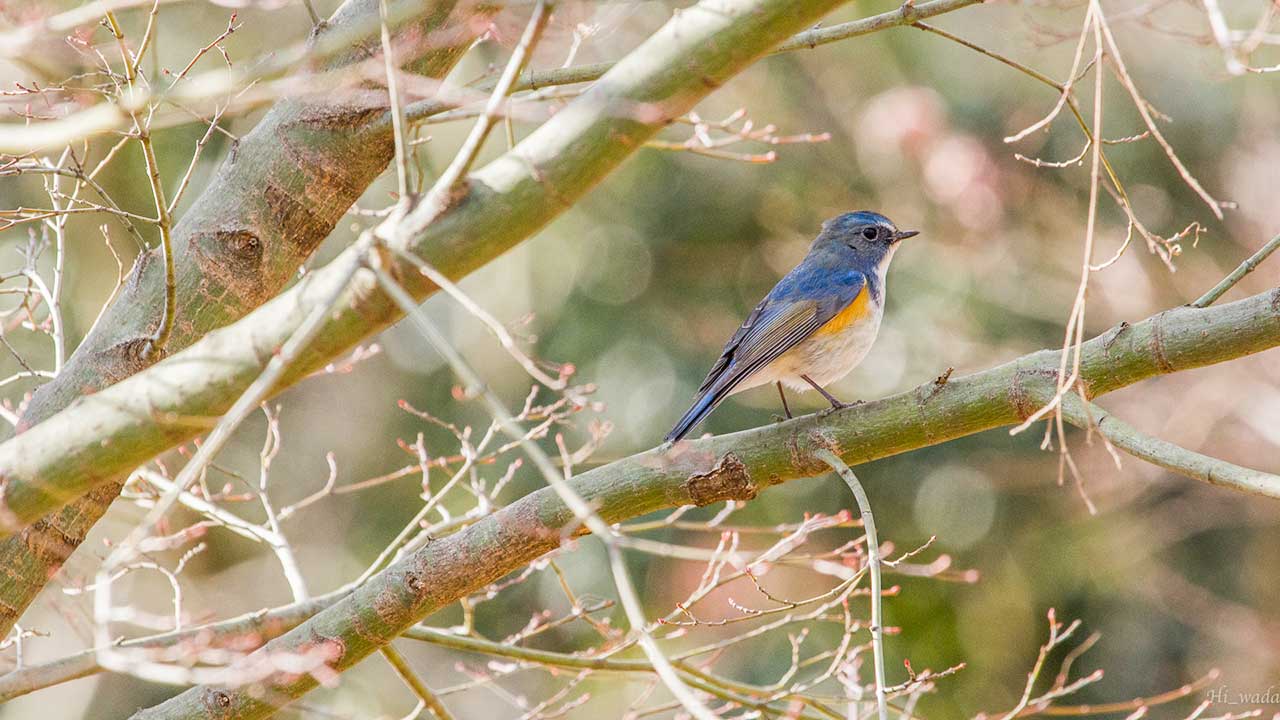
(904, 234)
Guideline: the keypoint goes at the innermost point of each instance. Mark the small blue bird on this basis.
(816, 324)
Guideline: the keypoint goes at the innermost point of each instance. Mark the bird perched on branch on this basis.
(816, 324)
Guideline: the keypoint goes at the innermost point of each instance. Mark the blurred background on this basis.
(639, 285)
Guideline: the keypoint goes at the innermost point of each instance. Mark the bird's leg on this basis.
(835, 404)
(783, 395)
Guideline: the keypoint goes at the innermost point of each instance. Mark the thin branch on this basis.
(311, 12)
(1236, 275)
(262, 625)
(748, 695)
(497, 328)
(1169, 456)
(873, 564)
(396, 109)
(427, 698)
(1222, 34)
(438, 197)
(1144, 110)
(905, 14)
(164, 221)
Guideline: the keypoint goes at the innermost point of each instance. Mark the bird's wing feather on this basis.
(788, 315)
(775, 326)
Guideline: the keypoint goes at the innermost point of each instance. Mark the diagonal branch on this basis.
(260, 624)
(906, 14)
(1246, 267)
(732, 467)
(280, 192)
(1167, 455)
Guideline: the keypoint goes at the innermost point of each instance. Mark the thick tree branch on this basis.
(733, 467)
(114, 430)
(276, 197)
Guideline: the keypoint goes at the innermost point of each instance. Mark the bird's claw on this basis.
(838, 405)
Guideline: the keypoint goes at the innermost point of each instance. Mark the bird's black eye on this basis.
(869, 233)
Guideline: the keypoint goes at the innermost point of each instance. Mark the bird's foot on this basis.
(840, 405)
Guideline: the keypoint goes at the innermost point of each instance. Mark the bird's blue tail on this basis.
(701, 408)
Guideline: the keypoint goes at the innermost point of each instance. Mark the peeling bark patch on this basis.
(331, 650)
(728, 480)
(47, 542)
(244, 247)
(389, 606)
(793, 450)
(820, 437)
(414, 583)
(1113, 336)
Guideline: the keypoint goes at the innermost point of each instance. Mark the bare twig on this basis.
(396, 109)
(873, 563)
(1236, 275)
(1222, 34)
(425, 697)
(439, 196)
(163, 220)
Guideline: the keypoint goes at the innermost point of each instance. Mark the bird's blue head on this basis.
(869, 238)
